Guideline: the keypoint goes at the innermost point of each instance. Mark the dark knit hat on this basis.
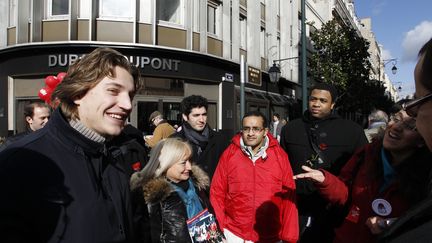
(154, 115)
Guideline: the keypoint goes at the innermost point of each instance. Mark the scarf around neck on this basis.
(189, 198)
(199, 139)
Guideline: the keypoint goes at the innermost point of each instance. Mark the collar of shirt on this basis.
(260, 153)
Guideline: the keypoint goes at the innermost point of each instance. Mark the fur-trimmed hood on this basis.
(158, 189)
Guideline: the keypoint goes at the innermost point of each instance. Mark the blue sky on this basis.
(402, 27)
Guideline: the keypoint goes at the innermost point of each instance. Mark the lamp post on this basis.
(303, 56)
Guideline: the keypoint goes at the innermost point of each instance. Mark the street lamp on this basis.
(393, 61)
(275, 72)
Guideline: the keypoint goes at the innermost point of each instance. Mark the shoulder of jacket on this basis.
(157, 190)
(200, 178)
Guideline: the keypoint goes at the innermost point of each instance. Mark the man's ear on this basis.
(29, 120)
(185, 118)
(332, 105)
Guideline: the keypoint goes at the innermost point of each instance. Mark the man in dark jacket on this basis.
(207, 145)
(320, 139)
(61, 183)
(36, 115)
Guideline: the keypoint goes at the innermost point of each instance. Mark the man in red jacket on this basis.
(253, 191)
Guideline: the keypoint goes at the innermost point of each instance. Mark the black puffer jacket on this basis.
(168, 214)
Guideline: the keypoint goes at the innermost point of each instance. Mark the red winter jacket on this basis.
(359, 181)
(255, 202)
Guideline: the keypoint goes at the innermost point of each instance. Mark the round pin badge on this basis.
(381, 207)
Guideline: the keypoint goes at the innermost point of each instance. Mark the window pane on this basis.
(211, 20)
(59, 7)
(116, 8)
(243, 32)
(145, 11)
(196, 12)
(84, 8)
(170, 10)
(12, 12)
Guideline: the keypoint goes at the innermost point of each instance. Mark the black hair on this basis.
(276, 115)
(326, 86)
(258, 114)
(193, 101)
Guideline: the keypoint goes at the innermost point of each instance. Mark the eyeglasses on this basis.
(253, 129)
(412, 107)
(407, 124)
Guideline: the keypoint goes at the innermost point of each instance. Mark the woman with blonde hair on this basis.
(175, 192)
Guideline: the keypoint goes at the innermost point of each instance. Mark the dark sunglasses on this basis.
(412, 107)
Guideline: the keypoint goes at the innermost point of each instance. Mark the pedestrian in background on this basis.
(276, 126)
(36, 115)
(162, 129)
(377, 123)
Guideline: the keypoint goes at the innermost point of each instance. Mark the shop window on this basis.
(214, 18)
(170, 11)
(114, 9)
(58, 9)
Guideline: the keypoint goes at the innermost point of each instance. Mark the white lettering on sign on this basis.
(64, 60)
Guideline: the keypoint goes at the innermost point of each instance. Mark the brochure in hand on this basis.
(203, 228)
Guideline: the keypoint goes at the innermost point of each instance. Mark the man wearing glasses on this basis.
(253, 191)
(319, 140)
(416, 224)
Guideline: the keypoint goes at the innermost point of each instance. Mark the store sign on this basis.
(229, 77)
(165, 64)
(254, 76)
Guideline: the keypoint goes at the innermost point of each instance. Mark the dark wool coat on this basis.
(414, 226)
(209, 157)
(337, 139)
(59, 186)
(168, 214)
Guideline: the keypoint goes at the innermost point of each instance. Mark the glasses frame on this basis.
(253, 129)
(396, 119)
(409, 106)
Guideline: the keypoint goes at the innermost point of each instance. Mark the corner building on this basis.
(182, 47)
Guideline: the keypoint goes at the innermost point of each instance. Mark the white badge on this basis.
(381, 207)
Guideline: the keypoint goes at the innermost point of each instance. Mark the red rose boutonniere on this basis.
(323, 146)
